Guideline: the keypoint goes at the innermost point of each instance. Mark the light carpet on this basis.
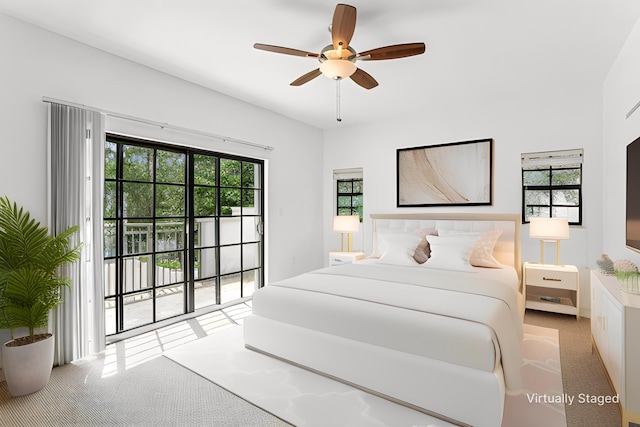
(303, 398)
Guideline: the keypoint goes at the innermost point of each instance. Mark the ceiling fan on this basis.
(338, 60)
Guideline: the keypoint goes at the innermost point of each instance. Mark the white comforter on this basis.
(488, 297)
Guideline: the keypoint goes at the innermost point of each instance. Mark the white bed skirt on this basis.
(457, 394)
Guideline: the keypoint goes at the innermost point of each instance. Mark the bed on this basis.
(415, 322)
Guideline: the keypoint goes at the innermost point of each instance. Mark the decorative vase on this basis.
(27, 368)
(606, 265)
(628, 276)
(629, 282)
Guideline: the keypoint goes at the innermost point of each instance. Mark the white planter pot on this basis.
(27, 368)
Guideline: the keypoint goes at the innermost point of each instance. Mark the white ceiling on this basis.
(475, 48)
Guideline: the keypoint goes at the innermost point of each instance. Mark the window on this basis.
(349, 192)
(182, 231)
(552, 185)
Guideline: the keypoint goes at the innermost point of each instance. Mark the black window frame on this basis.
(189, 218)
(353, 209)
(550, 188)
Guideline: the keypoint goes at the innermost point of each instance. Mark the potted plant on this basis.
(29, 288)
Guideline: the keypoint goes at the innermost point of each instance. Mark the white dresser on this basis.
(615, 331)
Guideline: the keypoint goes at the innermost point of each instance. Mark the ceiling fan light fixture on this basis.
(338, 68)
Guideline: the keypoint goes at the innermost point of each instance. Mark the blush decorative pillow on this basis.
(451, 252)
(482, 255)
(423, 251)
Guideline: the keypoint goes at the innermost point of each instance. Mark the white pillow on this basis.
(482, 255)
(398, 249)
(451, 252)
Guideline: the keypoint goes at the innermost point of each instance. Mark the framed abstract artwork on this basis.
(453, 174)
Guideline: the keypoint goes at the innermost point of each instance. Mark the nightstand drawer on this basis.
(551, 278)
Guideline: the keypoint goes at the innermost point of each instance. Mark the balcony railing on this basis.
(138, 239)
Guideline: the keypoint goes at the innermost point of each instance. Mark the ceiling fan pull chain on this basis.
(338, 118)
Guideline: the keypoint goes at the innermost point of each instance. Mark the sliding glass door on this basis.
(227, 224)
(183, 231)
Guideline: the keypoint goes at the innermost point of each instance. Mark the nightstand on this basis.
(554, 288)
(339, 258)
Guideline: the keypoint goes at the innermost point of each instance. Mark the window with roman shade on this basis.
(349, 192)
(552, 185)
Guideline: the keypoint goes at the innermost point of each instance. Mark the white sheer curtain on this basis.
(76, 150)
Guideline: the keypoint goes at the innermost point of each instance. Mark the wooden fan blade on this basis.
(364, 79)
(393, 52)
(343, 25)
(307, 77)
(285, 50)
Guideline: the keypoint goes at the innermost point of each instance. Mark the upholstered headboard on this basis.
(507, 249)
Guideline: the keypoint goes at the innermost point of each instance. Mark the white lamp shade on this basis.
(549, 228)
(346, 223)
(337, 68)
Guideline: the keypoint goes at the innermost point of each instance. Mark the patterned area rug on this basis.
(542, 401)
(303, 398)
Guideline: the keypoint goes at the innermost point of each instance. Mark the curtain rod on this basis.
(159, 124)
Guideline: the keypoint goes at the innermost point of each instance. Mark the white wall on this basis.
(545, 121)
(621, 92)
(37, 63)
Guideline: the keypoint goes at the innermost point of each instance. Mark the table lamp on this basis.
(346, 224)
(549, 229)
